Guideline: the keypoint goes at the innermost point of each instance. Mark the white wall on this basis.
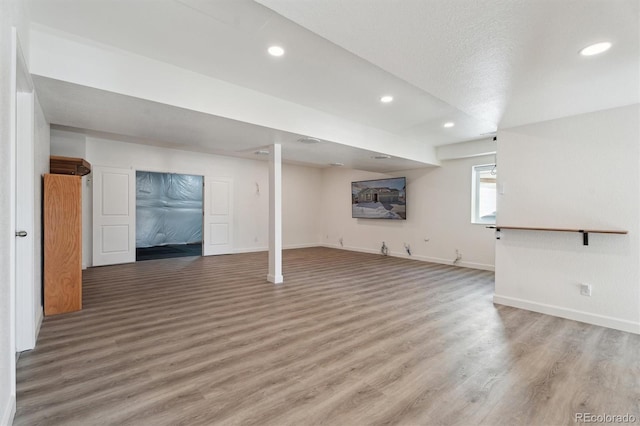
(301, 209)
(316, 203)
(575, 172)
(41, 165)
(72, 144)
(438, 210)
(12, 13)
(251, 189)
(68, 144)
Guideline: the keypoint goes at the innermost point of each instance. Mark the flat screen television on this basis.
(379, 199)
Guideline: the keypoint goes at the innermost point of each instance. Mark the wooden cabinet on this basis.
(62, 243)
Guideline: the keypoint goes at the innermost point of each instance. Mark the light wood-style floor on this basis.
(348, 339)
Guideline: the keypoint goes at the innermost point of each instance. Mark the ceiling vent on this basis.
(309, 140)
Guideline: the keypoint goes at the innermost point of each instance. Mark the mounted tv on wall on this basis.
(379, 199)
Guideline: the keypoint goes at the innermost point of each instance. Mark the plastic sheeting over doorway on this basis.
(168, 215)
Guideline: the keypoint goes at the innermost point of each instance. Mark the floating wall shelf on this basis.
(585, 232)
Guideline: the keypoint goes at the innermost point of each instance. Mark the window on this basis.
(483, 194)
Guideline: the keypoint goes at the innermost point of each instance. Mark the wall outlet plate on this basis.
(585, 289)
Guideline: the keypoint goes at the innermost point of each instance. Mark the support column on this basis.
(275, 215)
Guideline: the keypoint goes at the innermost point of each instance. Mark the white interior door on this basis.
(218, 216)
(28, 310)
(21, 122)
(114, 216)
(26, 314)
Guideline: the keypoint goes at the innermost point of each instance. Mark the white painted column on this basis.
(275, 215)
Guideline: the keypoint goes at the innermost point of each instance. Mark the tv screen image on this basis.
(379, 199)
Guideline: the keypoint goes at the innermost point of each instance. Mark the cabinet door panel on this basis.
(62, 244)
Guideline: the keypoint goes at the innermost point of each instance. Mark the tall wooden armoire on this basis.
(62, 243)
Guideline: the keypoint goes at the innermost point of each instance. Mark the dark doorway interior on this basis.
(168, 251)
(168, 215)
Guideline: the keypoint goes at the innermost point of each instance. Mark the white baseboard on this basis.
(404, 255)
(572, 314)
(9, 412)
(286, 247)
(463, 264)
(250, 250)
(358, 249)
(300, 246)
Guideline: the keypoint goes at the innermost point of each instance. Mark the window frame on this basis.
(475, 193)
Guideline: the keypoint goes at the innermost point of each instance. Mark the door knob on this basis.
(21, 233)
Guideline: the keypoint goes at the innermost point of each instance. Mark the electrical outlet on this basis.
(585, 289)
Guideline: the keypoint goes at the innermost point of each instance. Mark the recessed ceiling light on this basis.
(449, 124)
(594, 49)
(381, 157)
(275, 51)
(386, 99)
(309, 140)
(336, 164)
(261, 152)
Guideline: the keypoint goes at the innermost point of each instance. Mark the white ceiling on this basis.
(112, 116)
(480, 64)
(508, 62)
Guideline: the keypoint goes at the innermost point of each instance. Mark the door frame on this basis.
(146, 168)
(22, 94)
(205, 178)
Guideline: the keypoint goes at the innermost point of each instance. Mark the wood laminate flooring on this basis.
(348, 339)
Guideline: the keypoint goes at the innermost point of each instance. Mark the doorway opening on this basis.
(168, 215)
